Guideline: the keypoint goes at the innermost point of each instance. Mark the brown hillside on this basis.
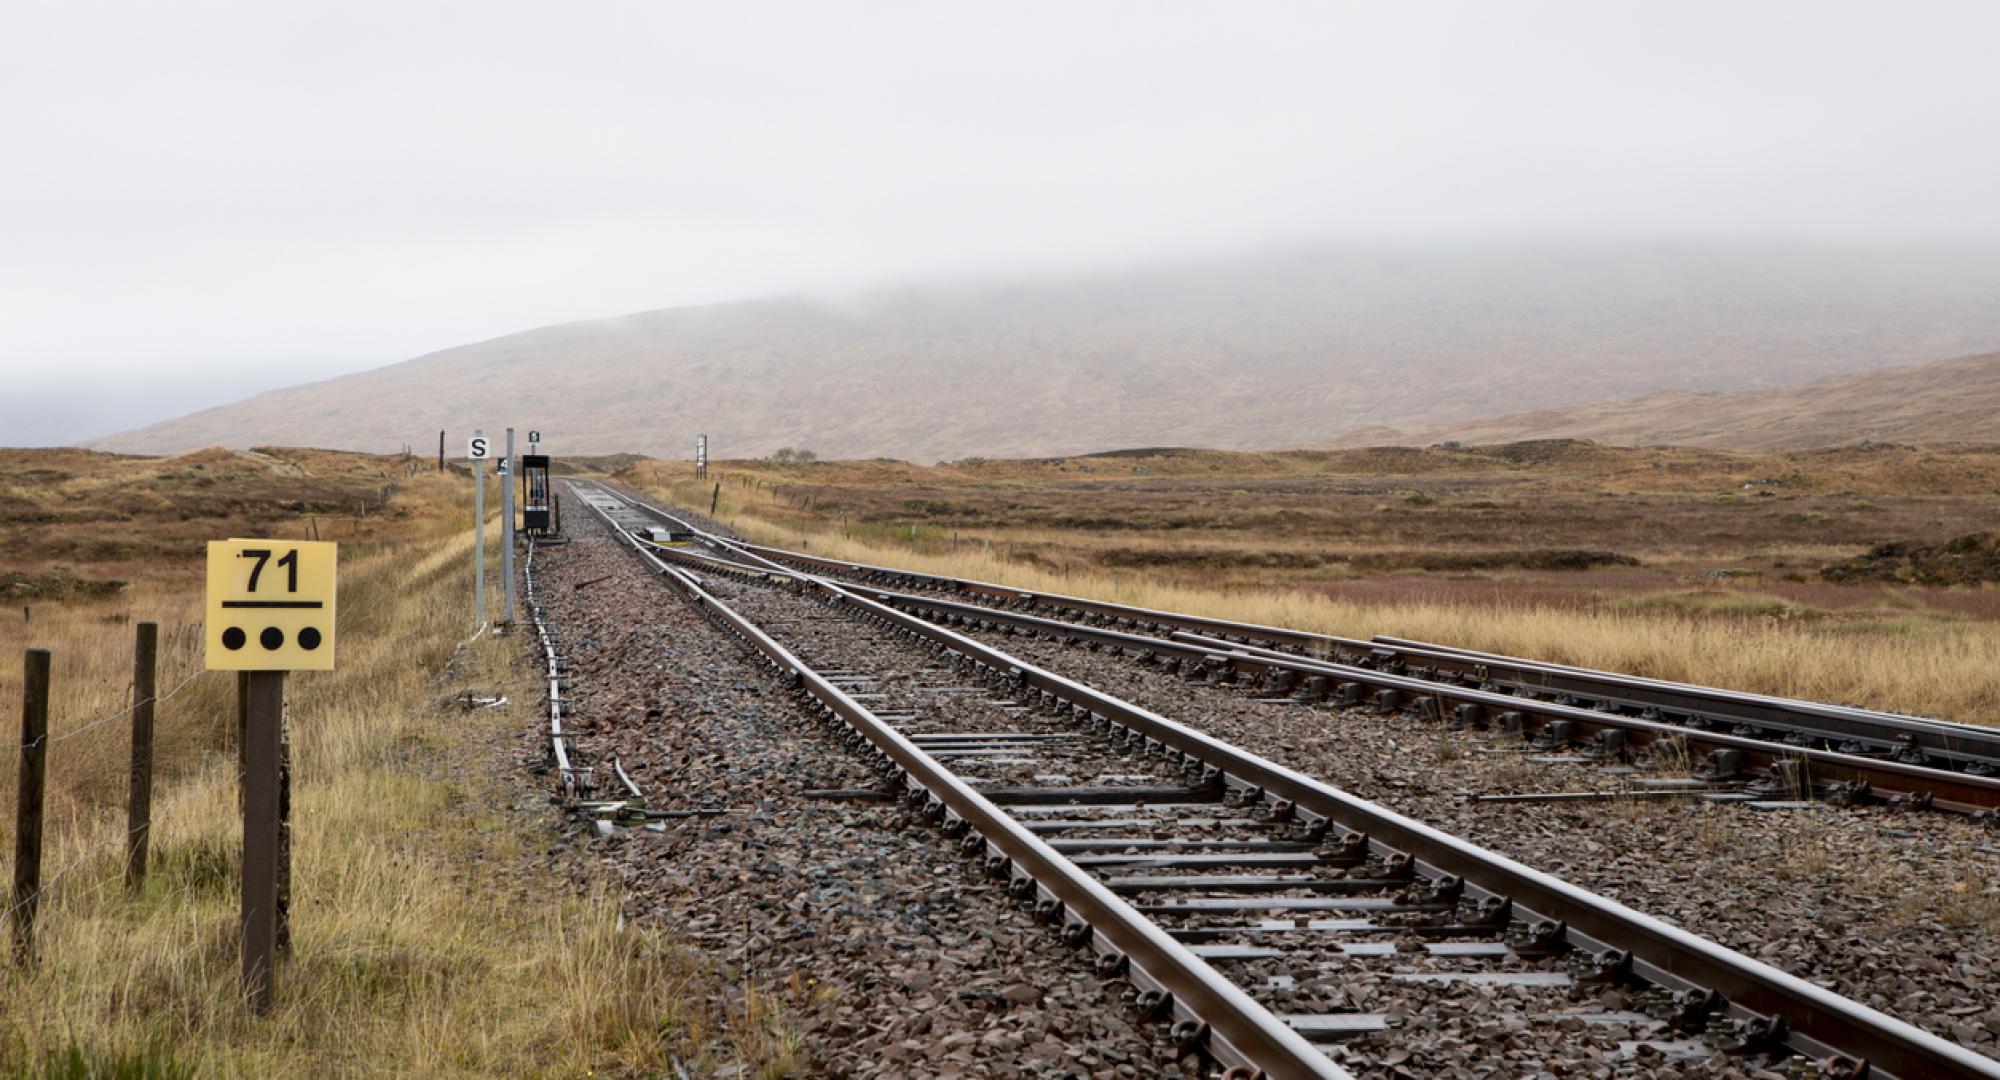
(1250, 354)
(1949, 401)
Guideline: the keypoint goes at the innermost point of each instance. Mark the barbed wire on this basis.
(126, 711)
(51, 740)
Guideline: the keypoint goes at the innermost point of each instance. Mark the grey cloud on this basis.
(217, 189)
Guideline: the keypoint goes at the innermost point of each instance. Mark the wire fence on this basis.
(158, 699)
(112, 835)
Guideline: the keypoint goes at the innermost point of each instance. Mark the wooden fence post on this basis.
(139, 796)
(28, 810)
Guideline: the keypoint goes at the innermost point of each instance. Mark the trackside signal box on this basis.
(270, 605)
(535, 517)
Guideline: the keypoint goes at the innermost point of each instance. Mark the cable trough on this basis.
(573, 782)
(1210, 859)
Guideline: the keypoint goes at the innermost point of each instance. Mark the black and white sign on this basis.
(534, 437)
(477, 448)
(500, 466)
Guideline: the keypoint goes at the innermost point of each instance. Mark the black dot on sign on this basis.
(309, 639)
(271, 638)
(232, 638)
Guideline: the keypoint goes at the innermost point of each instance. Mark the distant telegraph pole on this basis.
(440, 451)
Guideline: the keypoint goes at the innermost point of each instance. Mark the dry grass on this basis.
(1559, 525)
(1940, 666)
(1972, 900)
(1699, 602)
(431, 933)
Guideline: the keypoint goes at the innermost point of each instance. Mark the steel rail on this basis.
(1974, 750)
(1966, 743)
(1942, 788)
(1862, 776)
(1849, 1037)
(1910, 739)
(1877, 778)
(1984, 742)
(1919, 741)
(1239, 1032)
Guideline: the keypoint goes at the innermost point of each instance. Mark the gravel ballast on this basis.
(1899, 911)
(890, 955)
(1894, 910)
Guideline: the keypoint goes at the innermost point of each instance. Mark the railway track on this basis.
(1247, 903)
(1772, 749)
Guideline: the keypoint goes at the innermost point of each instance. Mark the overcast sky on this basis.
(207, 198)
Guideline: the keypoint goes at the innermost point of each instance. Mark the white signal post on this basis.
(477, 448)
(507, 529)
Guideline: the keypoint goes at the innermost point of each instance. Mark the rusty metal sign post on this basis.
(270, 610)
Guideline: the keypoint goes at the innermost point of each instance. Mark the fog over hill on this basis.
(1947, 401)
(1249, 353)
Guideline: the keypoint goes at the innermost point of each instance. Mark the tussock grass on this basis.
(1947, 668)
(431, 935)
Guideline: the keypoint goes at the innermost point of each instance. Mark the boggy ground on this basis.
(1559, 521)
(888, 953)
(1692, 565)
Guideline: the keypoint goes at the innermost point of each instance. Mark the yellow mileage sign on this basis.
(270, 605)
